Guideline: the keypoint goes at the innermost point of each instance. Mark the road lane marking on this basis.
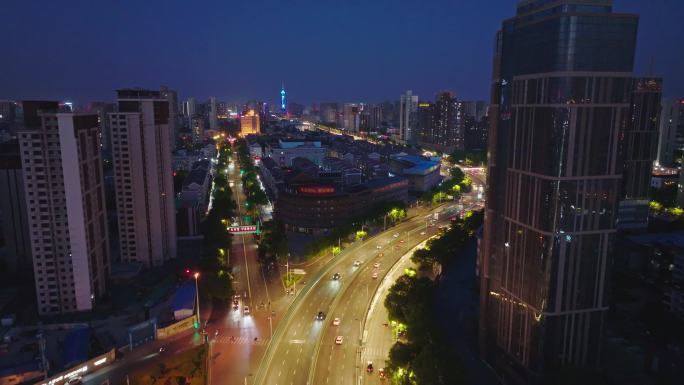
(297, 342)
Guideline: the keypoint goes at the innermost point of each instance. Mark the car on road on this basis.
(369, 367)
(336, 322)
(381, 255)
(381, 373)
(357, 263)
(320, 316)
(246, 310)
(375, 275)
(336, 276)
(338, 340)
(396, 235)
(422, 233)
(74, 381)
(401, 241)
(378, 247)
(376, 265)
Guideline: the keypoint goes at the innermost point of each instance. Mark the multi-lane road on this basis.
(280, 341)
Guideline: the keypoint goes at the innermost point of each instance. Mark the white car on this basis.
(338, 340)
(357, 263)
(378, 247)
(422, 233)
(336, 322)
(375, 275)
(376, 265)
(396, 235)
(74, 381)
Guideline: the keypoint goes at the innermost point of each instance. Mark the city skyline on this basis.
(361, 65)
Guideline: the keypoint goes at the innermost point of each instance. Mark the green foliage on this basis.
(457, 184)
(375, 215)
(215, 279)
(273, 242)
(426, 358)
(443, 248)
(469, 158)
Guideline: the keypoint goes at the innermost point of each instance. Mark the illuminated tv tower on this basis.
(282, 99)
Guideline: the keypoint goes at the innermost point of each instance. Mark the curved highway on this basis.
(298, 336)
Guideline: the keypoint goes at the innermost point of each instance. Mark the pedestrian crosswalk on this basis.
(374, 354)
(241, 341)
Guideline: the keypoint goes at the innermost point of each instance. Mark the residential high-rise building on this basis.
(189, 108)
(7, 111)
(671, 130)
(13, 209)
(174, 124)
(213, 114)
(143, 177)
(295, 110)
(197, 129)
(561, 89)
(64, 192)
(375, 117)
(351, 116)
(328, 112)
(448, 132)
(408, 106)
(102, 109)
(249, 123)
(476, 109)
(639, 149)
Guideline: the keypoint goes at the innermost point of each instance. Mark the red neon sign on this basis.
(319, 190)
(241, 229)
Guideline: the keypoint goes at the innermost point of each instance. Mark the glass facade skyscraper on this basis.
(561, 88)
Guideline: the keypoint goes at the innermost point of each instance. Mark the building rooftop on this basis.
(197, 176)
(184, 297)
(416, 164)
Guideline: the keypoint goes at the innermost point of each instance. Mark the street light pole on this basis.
(199, 322)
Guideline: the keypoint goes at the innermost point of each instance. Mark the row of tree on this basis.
(450, 188)
(215, 272)
(255, 195)
(425, 356)
(381, 214)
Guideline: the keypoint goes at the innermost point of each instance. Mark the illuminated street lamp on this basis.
(196, 275)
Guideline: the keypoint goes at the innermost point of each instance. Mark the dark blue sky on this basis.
(324, 50)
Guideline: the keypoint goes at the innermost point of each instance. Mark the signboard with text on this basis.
(243, 229)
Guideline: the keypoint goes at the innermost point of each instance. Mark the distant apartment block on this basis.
(143, 177)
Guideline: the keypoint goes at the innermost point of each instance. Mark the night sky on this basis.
(324, 50)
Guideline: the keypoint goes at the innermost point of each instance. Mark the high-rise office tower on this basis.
(671, 131)
(639, 149)
(249, 123)
(13, 209)
(213, 114)
(561, 90)
(189, 108)
(425, 125)
(62, 165)
(448, 131)
(408, 105)
(143, 177)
